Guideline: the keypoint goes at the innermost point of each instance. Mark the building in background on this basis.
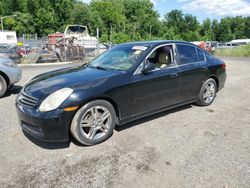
(8, 37)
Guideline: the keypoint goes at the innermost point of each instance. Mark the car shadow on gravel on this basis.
(152, 117)
(13, 91)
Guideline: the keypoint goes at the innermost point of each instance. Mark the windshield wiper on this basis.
(98, 67)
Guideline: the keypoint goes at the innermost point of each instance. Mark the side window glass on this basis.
(201, 56)
(186, 54)
(162, 57)
(208, 56)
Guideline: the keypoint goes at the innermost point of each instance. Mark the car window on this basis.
(186, 54)
(208, 56)
(162, 57)
(201, 56)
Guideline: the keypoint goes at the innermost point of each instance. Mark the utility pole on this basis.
(97, 36)
(6, 17)
(110, 38)
(150, 28)
(90, 31)
(134, 31)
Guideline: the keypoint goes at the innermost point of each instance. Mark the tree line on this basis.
(118, 20)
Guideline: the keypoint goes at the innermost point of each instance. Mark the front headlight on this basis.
(10, 64)
(54, 100)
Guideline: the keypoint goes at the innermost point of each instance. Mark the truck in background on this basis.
(8, 38)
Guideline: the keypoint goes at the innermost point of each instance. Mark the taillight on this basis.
(224, 66)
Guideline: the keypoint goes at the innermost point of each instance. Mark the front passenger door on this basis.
(158, 88)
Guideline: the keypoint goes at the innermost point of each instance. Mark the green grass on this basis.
(243, 51)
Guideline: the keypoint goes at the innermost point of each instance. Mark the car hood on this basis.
(75, 78)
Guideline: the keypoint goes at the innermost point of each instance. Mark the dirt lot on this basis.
(187, 147)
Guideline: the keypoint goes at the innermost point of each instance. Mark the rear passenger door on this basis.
(193, 67)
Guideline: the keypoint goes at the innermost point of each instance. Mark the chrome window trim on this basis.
(173, 58)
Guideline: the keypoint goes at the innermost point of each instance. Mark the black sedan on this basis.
(127, 82)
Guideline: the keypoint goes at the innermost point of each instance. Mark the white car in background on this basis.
(9, 74)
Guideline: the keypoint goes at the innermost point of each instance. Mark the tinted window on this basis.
(186, 54)
(208, 56)
(201, 56)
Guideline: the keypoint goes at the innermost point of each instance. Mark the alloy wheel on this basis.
(209, 92)
(95, 122)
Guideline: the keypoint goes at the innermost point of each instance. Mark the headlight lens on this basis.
(54, 100)
(10, 64)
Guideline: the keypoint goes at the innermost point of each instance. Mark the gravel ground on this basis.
(186, 147)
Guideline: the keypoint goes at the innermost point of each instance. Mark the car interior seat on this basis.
(164, 60)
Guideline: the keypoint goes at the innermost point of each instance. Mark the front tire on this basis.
(207, 93)
(94, 122)
(3, 86)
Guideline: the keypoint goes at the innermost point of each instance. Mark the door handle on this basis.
(173, 75)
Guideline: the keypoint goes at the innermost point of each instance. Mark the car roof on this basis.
(157, 42)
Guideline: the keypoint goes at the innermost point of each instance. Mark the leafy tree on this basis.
(206, 30)
(118, 20)
(247, 27)
(237, 27)
(215, 30)
(225, 33)
(21, 24)
(81, 14)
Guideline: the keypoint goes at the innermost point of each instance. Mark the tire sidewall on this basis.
(3, 87)
(201, 99)
(75, 124)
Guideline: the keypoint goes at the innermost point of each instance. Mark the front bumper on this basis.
(15, 75)
(45, 126)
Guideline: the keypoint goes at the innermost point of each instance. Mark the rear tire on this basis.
(207, 93)
(94, 122)
(3, 86)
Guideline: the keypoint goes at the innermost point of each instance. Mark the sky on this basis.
(202, 9)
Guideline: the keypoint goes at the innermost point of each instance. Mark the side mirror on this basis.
(147, 67)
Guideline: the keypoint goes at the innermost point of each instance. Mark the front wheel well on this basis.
(5, 77)
(112, 102)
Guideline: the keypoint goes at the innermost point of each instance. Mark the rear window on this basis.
(186, 54)
(208, 56)
(201, 56)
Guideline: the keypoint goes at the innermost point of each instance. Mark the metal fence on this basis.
(35, 45)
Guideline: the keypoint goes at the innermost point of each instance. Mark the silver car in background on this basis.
(9, 74)
(6, 51)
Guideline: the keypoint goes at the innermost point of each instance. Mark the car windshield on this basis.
(119, 57)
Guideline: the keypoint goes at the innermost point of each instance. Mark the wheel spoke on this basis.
(92, 132)
(105, 116)
(86, 124)
(94, 113)
(212, 88)
(103, 128)
(206, 94)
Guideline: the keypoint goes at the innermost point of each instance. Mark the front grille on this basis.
(27, 100)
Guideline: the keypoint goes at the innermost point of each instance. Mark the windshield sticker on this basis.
(137, 52)
(141, 48)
